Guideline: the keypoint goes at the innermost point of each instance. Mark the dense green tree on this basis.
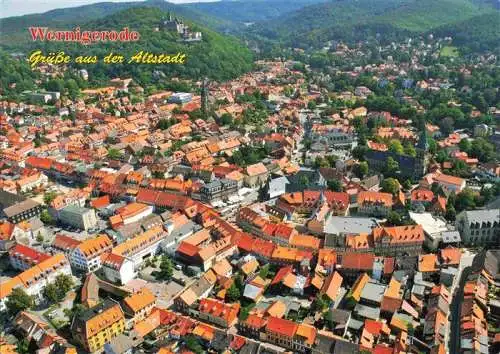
(55, 85)
(335, 185)
(465, 145)
(193, 344)
(226, 119)
(57, 290)
(361, 169)
(319, 304)
(233, 294)
(264, 271)
(451, 213)
(73, 89)
(432, 145)
(114, 154)
(392, 166)
(394, 219)
(483, 150)
(166, 268)
(409, 150)
(465, 200)
(48, 197)
(390, 185)
(46, 218)
(396, 147)
(359, 152)
(18, 301)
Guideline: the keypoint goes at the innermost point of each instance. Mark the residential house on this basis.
(217, 190)
(256, 175)
(448, 183)
(374, 203)
(23, 257)
(398, 240)
(217, 312)
(141, 247)
(118, 269)
(98, 325)
(87, 256)
(138, 306)
(16, 208)
(36, 278)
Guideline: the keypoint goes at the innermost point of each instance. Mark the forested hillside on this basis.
(353, 20)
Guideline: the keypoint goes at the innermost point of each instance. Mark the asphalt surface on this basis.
(456, 303)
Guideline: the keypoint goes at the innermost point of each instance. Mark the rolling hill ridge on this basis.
(353, 20)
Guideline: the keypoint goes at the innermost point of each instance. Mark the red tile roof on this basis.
(358, 261)
(28, 254)
(65, 242)
(188, 249)
(100, 202)
(281, 327)
(373, 327)
(255, 321)
(281, 274)
(423, 195)
(368, 197)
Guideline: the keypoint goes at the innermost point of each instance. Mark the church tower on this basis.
(204, 99)
(422, 149)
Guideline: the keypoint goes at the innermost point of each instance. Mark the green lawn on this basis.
(449, 51)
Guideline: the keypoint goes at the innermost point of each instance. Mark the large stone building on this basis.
(398, 240)
(409, 166)
(217, 190)
(17, 208)
(479, 227)
(81, 218)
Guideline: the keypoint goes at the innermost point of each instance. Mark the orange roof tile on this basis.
(332, 285)
(427, 263)
(359, 285)
(103, 320)
(369, 197)
(256, 169)
(281, 327)
(141, 299)
(307, 332)
(450, 255)
(94, 246)
(276, 309)
(400, 234)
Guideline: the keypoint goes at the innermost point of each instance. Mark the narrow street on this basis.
(452, 335)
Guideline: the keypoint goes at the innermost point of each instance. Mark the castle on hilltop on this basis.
(177, 25)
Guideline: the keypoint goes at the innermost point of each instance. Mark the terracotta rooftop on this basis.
(141, 299)
(281, 327)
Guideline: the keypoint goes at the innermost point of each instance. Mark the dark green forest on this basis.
(217, 56)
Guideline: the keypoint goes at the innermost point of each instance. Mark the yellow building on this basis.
(98, 325)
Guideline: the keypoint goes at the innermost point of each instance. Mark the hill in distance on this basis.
(221, 16)
(13, 29)
(352, 20)
(217, 56)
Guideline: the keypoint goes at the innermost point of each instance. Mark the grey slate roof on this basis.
(480, 216)
(373, 292)
(349, 225)
(367, 311)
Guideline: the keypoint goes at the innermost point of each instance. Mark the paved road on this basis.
(452, 336)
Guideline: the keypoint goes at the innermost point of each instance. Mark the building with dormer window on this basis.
(479, 227)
